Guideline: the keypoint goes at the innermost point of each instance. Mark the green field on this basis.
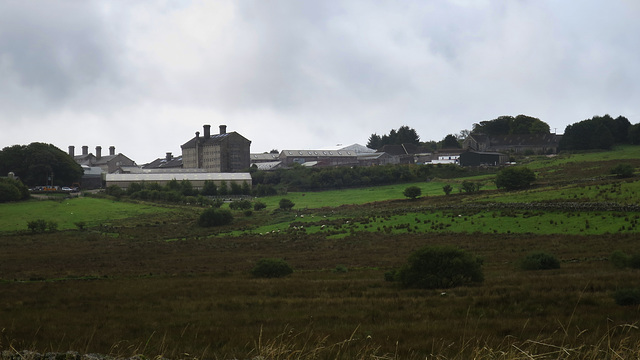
(144, 279)
(67, 212)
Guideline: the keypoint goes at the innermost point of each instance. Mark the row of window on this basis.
(312, 153)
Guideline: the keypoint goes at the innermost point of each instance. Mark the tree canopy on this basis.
(599, 132)
(36, 163)
(404, 135)
(509, 125)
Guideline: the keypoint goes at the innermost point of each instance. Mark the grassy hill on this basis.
(144, 279)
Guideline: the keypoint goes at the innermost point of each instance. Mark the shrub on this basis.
(515, 178)
(259, 205)
(412, 192)
(470, 187)
(52, 226)
(539, 261)
(623, 170)
(81, 225)
(115, 191)
(240, 205)
(271, 268)
(625, 297)
(440, 267)
(12, 190)
(37, 226)
(341, 269)
(286, 204)
(619, 259)
(215, 217)
(447, 189)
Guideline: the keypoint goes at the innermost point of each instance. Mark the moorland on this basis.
(142, 278)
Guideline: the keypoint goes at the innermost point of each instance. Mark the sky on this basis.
(145, 75)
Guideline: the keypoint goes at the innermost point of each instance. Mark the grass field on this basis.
(67, 212)
(144, 279)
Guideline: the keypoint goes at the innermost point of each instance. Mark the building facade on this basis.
(223, 152)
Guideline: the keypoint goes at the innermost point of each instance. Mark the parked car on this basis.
(65, 188)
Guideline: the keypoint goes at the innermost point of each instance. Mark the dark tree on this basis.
(404, 135)
(40, 164)
(599, 132)
(506, 125)
(450, 142)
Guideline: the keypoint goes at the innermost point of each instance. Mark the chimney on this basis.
(197, 134)
(223, 129)
(207, 131)
(112, 150)
(169, 156)
(72, 151)
(85, 150)
(98, 152)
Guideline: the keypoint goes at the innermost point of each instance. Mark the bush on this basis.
(12, 190)
(470, 187)
(515, 178)
(539, 261)
(412, 192)
(447, 189)
(240, 205)
(623, 260)
(271, 268)
(629, 296)
(286, 204)
(81, 225)
(259, 205)
(37, 226)
(440, 267)
(341, 269)
(623, 170)
(215, 217)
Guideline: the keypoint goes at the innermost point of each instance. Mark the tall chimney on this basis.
(169, 156)
(98, 152)
(223, 129)
(72, 150)
(85, 150)
(112, 150)
(207, 131)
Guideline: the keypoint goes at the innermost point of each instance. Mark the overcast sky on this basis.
(144, 76)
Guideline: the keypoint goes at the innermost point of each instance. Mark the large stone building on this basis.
(224, 152)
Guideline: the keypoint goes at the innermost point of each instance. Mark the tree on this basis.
(12, 190)
(286, 204)
(599, 132)
(412, 192)
(404, 135)
(447, 189)
(515, 178)
(40, 164)
(440, 267)
(450, 142)
(508, 125)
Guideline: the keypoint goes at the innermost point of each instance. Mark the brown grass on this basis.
(123, 289)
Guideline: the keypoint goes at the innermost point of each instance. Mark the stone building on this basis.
(224, 152)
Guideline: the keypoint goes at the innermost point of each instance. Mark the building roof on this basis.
(320, 153)
(264, 157)
(174, 162)
(151, 177)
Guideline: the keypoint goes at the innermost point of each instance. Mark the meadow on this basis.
(144, 279)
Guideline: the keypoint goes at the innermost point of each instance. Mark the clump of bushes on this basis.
(539, 261)
(623, 170)
(259, 205)
(215, 217)
(623, 260)
(515, 178)
(439, 267)
(628, 296)
(271, 268)
(240, 205)
(12, 190)
(40, 226)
